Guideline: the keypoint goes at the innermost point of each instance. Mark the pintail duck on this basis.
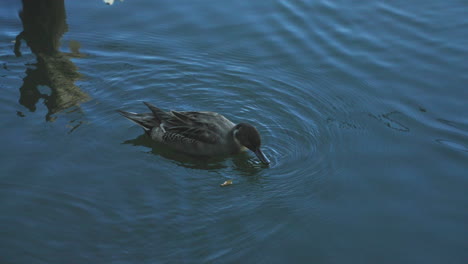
(198, 133)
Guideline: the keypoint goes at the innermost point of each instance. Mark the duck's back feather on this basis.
(204, 127)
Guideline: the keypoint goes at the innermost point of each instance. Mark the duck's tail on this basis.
(146, 120)
(159, 114)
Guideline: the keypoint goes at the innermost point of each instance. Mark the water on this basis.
(361, 106)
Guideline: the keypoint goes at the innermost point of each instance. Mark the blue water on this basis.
(362, 107)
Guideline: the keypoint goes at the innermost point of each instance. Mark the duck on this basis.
(198, 133)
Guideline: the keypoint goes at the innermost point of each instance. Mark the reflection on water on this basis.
(181, 159)
(44, 23)
(241, 161)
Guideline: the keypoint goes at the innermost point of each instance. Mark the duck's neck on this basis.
(234, 141)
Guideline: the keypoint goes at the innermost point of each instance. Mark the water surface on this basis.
(361, 106)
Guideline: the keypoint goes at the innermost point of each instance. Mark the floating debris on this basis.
(226, 183)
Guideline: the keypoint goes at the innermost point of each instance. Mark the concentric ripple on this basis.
(358, 104)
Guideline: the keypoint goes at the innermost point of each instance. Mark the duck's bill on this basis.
(262, 157)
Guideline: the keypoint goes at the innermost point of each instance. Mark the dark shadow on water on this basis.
(44, 23)
(242, 162)
(204, 163)
(391, 120)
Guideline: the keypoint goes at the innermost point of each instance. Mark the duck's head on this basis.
(248, 136)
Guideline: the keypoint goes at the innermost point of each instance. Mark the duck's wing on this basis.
(188, 126)
(193, 125)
